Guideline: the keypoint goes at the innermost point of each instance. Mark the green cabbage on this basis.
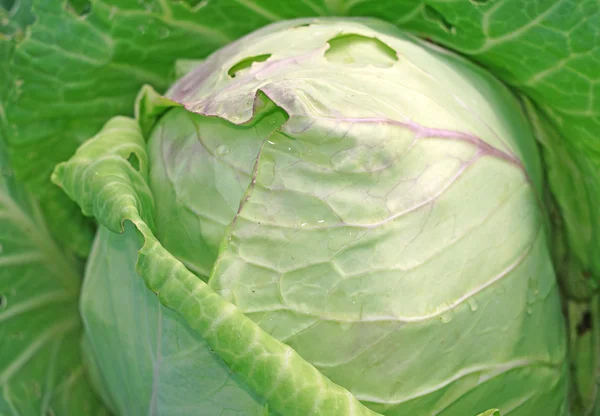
(371, 201)
(316, 207)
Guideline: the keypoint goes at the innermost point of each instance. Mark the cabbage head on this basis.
(336, 218)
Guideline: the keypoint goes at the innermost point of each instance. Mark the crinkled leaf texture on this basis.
(369, 200)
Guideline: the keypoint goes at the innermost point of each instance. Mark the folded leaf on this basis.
(104, 183)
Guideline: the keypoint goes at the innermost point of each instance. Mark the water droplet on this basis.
(164, 33)
(303, 224)
(446, 317)
(532, 290)
(270, 142)
(529, 310)
(222, 150)
(473, 304)
(290, 233)
(321, 221)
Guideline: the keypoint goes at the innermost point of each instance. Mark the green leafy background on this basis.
(66, 68)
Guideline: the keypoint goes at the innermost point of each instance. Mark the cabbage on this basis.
(320, 207)
(351, 192)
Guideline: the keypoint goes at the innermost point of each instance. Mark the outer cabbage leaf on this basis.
(584, 351)
(41, 370)
(575, 279)
(15, 16)
(146, 358)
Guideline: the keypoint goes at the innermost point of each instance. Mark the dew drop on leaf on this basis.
(222, 150)
(164, 33)
(532, 290)
(290, 233)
